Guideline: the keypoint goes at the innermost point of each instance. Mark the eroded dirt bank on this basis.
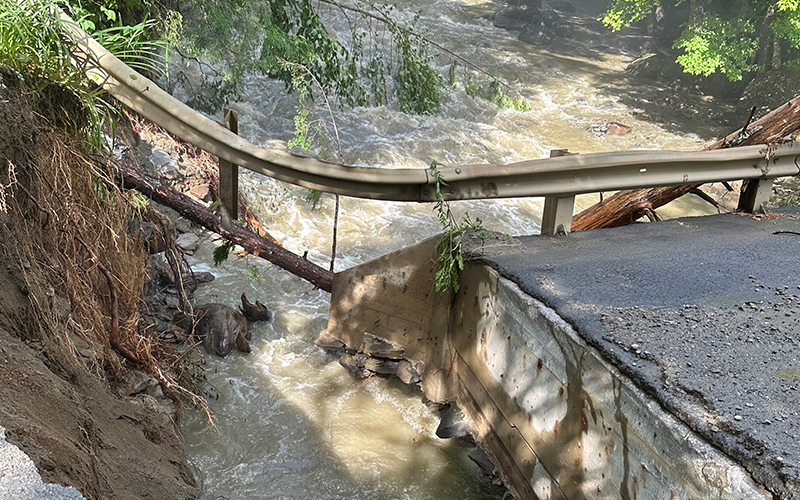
(59, 377)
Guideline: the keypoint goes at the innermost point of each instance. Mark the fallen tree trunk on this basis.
(252, 243)
(627, 206)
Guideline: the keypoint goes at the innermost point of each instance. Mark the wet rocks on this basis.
(381, 348)
(407, 374)
(563, 6)
(222, 328)
(375, 356)
(610, 128)
(516, 18)
(535, 34)
(661, 66)
(354, 365)
(188, 241)
(254, 312)
(550, 19)
(479, 457)
(381, 365)
(453, 423)
(615, 128)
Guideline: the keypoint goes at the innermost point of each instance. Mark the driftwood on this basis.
(625, 207)
(252, 243)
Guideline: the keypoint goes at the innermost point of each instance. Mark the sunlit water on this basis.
(290, 422)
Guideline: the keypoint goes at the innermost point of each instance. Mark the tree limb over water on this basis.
(252, 243)
(627, 206)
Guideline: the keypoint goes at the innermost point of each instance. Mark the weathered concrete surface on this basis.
(392, 298)
(570, 424)
(559, 419)
(702, 313)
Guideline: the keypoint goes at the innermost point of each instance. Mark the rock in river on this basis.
(222, 328)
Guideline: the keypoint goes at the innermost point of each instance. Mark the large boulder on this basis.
(662, 66)
(222, 328)
(769, 90)
(516, 18)
(536, 34)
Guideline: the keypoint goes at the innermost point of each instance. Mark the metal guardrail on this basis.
(558, 178)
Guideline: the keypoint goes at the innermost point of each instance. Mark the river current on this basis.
(290, 422)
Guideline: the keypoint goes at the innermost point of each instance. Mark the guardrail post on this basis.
(754, 194)
(557, 214)
(229, 173)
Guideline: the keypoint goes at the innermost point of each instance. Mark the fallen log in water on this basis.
(625, 207)
(252, 243)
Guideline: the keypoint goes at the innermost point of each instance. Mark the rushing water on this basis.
(290, 422)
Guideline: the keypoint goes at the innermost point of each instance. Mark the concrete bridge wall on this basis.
(559, 421)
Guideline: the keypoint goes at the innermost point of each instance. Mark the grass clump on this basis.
(35, 43)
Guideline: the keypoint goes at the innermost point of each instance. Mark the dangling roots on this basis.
(67, 225)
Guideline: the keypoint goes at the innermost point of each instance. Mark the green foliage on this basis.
(35, 43)
(416, 81)
(626, 12)
(494, 94)
(247, 36)
(723, 35)
(132, 44)
(221, 252)
(711, 43)
(254, 274)
(301, 137)
(313, 197)
(451, 256)
(786, 23)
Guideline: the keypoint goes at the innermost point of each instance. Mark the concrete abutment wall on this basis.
(558, 420)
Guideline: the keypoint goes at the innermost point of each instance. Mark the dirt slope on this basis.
(56, 403)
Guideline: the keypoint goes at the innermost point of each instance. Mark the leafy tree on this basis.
(254, 36)
(729, 36)
(381, 60)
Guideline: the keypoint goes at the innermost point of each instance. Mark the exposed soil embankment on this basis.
(62, 221)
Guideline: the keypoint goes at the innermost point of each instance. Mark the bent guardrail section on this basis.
(561, 176)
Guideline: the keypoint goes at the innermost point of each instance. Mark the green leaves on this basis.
(494, 94)
(623, 13)
(221, 252)
(711, 43)
(253, 37)
(451, 257)
(723, 35)
(786, 24)
(34, 41)
(416, 81)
